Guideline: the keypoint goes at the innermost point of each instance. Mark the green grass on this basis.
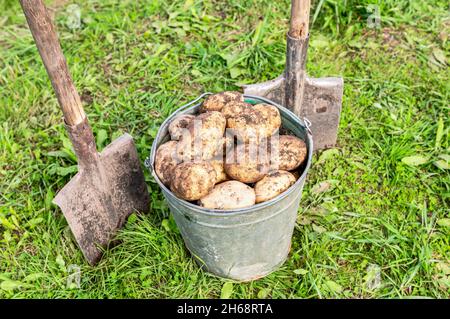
(134, 62)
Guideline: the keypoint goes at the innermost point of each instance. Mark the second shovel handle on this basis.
(49, 48)
(299, 26)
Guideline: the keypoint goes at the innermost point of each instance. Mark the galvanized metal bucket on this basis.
(247, 243)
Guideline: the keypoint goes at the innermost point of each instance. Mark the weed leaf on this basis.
(440, 56)
(263, 293)
(444, 162)
(33, 277)
(373, 277)
(63, 171)
(10, 285)
(444, 222)
(6, 223)
(300, 271)
(110, 38)
(328, 154)
(62, 154)
(102, 135)
(188, 4)
(235, 72)
(440, 132)
(415, 160)
(318, 229)
(4, 277)
(165, 225)
(33, 222)
(258, 33)
(324, 186)
(227, 290)
(320, 42)
(60, 261)
(333, 286)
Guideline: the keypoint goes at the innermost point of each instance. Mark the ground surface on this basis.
(374, 221)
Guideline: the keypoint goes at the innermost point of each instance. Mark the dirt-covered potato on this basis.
(204, 139)
(229, 195)
(217, 101)
(272, 185)
(212, 123)
(234, 108)
(217, 163)
(179, 125)
(247, 126)
(246, 163)
(254, 123)
(192, 181)
(291, 152)
(165, 161)
(271, 118)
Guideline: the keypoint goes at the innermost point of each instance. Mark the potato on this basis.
(246, 163)
(217, 163)
(273, 185)
(255, 123)
(247, 126)
(178, 125)
(166, 160)
(234, 108)
(212, 123)
(229, 195)
(217, 101)
(271, 118)
(192, 181)
(204, 139)
(291, 152)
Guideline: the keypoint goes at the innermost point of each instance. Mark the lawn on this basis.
(374, 219)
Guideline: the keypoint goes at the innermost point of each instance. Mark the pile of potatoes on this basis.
(199, 164)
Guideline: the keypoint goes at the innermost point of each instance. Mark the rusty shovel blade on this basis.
(321, 105)
(98, 199)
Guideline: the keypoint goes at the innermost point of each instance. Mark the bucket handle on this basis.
(182, 108)
(308, 125)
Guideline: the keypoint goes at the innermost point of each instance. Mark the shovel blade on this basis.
(272, 90)
(322, 104)
(97, 200)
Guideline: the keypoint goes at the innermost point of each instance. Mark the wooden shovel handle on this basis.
(299, 27)
(49, 48)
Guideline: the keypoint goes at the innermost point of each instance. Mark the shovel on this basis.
(317, 99)
(110, 185)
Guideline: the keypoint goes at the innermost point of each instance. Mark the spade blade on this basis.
(98, 199)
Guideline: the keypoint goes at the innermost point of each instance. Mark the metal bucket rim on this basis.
(223, 212)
